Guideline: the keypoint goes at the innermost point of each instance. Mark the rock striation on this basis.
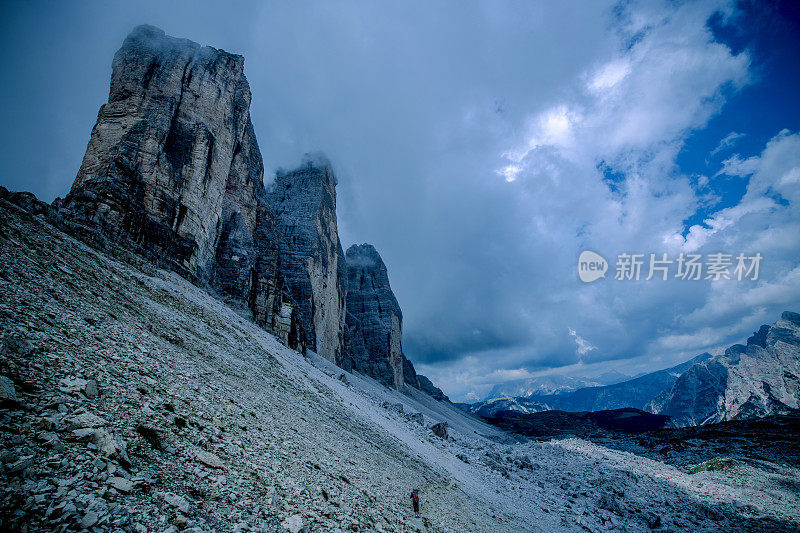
(173, 171)
(374, 319)
(374, 334)
(310, 254)
(755, 380)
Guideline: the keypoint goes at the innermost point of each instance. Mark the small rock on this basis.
(111, 445)
(71, 384)
(121, 484)
(83, 433)
(91, 389)
(179, 502)
(7, 392)
(294, 524)
(88, 420)
(397, 407)
(609, 502)
(89, 519)
(653, 520)
(15, 344)
(208, 459)
(20, 465)
(180, 521)
(440, 430)
(416, 417)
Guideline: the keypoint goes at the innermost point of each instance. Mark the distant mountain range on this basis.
(755, 380)
(552, 384)
(635, 392)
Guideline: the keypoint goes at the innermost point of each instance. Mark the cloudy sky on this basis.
(481, 147)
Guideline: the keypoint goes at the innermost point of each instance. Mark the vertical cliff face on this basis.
(173, 169)
(374, 319)
(310, 254)
(176, 125)
(375, 325)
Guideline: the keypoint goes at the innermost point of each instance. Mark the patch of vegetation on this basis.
(717, 463)
(151, 435)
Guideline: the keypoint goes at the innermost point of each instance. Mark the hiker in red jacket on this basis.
(415, 499)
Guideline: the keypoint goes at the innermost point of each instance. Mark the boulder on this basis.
(440, 430)
(8, 393)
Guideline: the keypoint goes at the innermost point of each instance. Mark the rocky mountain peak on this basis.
(155, 172)
(759, 338)
(365, 259)
(756, 380)
(375, 324)
(374, 320)
(304, 203)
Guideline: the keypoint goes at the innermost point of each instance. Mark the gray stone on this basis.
(121, 484)
(110, 445)
(20, 465)
(396, 407)
(16, 344)
(208, 459)
(8, 393)
(293, 524)
(89, 519)
(91, 388)
(179, 502)
(416, 417)
(440, 430)
(88, 420)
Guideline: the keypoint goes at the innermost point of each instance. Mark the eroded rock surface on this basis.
(374, 319)
(752, 381)
(311, 256)
(374, 335)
